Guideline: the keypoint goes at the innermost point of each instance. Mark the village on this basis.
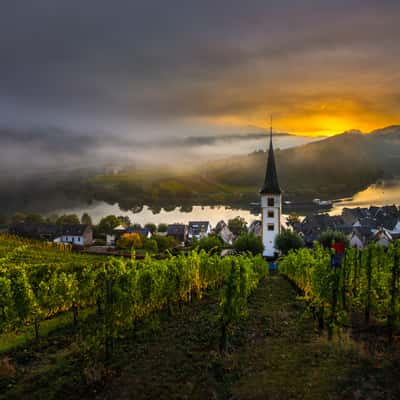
(118, 236)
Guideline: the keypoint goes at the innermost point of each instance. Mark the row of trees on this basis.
(105, 225)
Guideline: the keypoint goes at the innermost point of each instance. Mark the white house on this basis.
(77, 234)
(222, 230)
(199, 229)
(111, 238)
(382, 237)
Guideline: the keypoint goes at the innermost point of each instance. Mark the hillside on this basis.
(334, 167)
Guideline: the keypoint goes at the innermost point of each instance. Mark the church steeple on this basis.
(271, 184)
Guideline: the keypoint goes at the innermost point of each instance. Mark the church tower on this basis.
(271, 205)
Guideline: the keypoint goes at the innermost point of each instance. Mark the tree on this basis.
(125, 220)
(67, 219)
(52, 219)
(210, 242)
(248, 242)
(151, 227)
(328, 237)
(34, 219)
(288, 240)
(136, 226)
(18, 217)
(237, 226)
(107, 224)
(165, 242)
(86, 219)
(130, 240)
(162, 227)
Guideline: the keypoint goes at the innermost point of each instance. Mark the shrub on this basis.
(328, 237)
(288, 240)
(165, 242)
(249, 242)
(210, 242)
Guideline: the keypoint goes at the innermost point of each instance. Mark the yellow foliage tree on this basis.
(130, 240)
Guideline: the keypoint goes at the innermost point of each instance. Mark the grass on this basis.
(274, 353)
(11, 341)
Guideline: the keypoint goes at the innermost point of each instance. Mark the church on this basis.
(271, 205)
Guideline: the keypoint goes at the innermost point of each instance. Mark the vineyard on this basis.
(365, 285)
(191, 326)
(39, 281)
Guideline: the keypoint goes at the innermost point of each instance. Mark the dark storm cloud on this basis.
(129, 76)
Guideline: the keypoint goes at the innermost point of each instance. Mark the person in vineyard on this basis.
(337, 253)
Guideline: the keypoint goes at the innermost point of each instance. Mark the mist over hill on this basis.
(333, 167)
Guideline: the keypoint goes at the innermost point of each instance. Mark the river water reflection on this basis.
(384, 193)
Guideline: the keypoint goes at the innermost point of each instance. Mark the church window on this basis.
(271, 227)
(270, 214)
(271, 202)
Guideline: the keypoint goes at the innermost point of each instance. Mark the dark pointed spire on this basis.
(271, 184)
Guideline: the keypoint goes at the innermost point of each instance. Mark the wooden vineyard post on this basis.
(75, 314)
(392, 318)
(109, 339)
(332, 321)
(344, 278)
(369, 283)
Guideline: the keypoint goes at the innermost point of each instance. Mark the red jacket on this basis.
(338, 247)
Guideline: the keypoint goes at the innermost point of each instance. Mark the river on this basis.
(384, 193)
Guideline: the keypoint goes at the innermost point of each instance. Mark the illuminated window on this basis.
(271, 202)
(270, 214)
(270, 227)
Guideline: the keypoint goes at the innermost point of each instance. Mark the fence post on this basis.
(109, 340)
(393, 295)
(369, 283)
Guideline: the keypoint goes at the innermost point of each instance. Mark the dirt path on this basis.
(275, 353)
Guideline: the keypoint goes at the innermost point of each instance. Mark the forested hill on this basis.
(331, 168)
(334, 167)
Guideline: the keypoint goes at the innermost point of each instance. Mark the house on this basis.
(199, 229)
(37, 231)
(76, 234)
(222, 230)
(314, 225)
(112, 237)
(142, 231)
(350, 216)
(178, 231)
(360, 237)
(382, 237)
(255, 228)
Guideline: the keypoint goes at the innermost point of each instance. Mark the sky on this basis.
(116, 74)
